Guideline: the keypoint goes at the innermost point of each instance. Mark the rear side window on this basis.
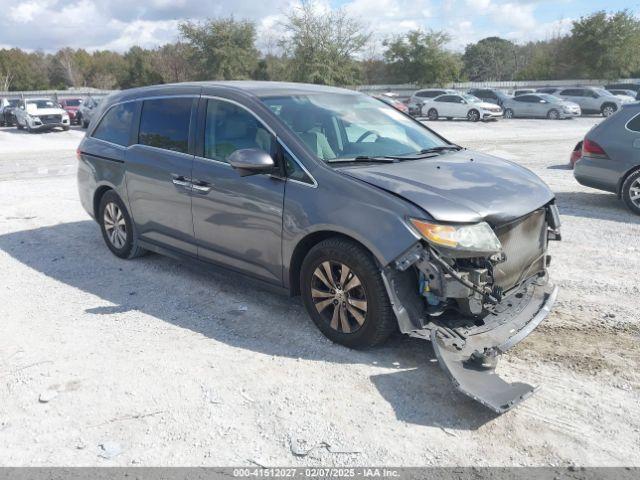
(115, 126)
(164, 123)
(634, 124)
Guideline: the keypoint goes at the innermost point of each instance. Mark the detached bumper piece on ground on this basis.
(469, 357)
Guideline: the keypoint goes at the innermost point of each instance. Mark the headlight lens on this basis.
(478, 237)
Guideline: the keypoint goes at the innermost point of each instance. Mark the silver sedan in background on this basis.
(540, 105)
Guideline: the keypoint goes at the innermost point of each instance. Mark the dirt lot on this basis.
(151, 362)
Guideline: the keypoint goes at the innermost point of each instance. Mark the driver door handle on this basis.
(201, 187)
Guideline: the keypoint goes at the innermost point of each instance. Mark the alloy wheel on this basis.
(608, 111)
(339, 296)
(508, 113)
(473, 115)
(115, 225)
(634, 193)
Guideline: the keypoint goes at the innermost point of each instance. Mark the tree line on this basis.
(334, 48)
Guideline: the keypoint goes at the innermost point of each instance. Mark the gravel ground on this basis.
(152, 362)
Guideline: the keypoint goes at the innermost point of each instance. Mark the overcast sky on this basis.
(118, 24)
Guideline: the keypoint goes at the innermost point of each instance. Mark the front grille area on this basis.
(47, 119)
(524, 243)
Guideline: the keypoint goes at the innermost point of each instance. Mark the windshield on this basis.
(345, 126)
(549, 98)
(603, 92)
(471, 98)
(14, 102)
(72, 103)
(42, 103)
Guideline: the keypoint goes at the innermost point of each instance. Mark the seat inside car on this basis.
(306, 127)
(234, 130)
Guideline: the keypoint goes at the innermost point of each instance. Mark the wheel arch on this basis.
(303, 247)
(624, 177)
(97, 197)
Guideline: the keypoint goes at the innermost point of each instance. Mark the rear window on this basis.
(164, 123)
(72, 103)
(115, 126)
(634, 124)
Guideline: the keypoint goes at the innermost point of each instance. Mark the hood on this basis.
(567, 103)
(46, 111)
(464, 186)
(486, 105)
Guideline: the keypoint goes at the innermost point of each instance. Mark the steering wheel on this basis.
(366, 134)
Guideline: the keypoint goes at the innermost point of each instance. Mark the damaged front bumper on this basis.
(474, 312)
(469, 359)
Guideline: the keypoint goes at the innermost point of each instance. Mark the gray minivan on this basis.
(379, 223)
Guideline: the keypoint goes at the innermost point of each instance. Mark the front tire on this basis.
(631, 192)
(553, 114)
(117, 227)
(343, 293)
(432, 114)
(473, 115)
(508, 113)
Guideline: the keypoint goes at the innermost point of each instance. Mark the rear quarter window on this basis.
(115, 126)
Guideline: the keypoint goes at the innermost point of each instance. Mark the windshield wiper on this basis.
(366, 159)
(440, 148)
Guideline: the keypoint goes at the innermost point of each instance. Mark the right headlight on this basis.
(474, 238)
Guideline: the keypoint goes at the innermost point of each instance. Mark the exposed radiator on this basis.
(524, 243)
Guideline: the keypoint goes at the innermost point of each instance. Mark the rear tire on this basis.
(18, 126)
(631, 192)
(432, 114)
(117, 227)
(608, 109)
(342, 286)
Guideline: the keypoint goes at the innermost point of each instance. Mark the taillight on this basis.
(592, 149)
(78, 156)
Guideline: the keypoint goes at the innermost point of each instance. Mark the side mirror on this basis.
(251, 161)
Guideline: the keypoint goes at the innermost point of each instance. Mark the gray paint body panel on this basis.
(462, 187)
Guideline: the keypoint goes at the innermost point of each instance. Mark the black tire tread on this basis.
(134, 250)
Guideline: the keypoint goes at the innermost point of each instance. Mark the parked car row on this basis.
(38, 114)
(548, 102)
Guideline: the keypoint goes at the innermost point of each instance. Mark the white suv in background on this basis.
(40, 114)
(593, 99)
